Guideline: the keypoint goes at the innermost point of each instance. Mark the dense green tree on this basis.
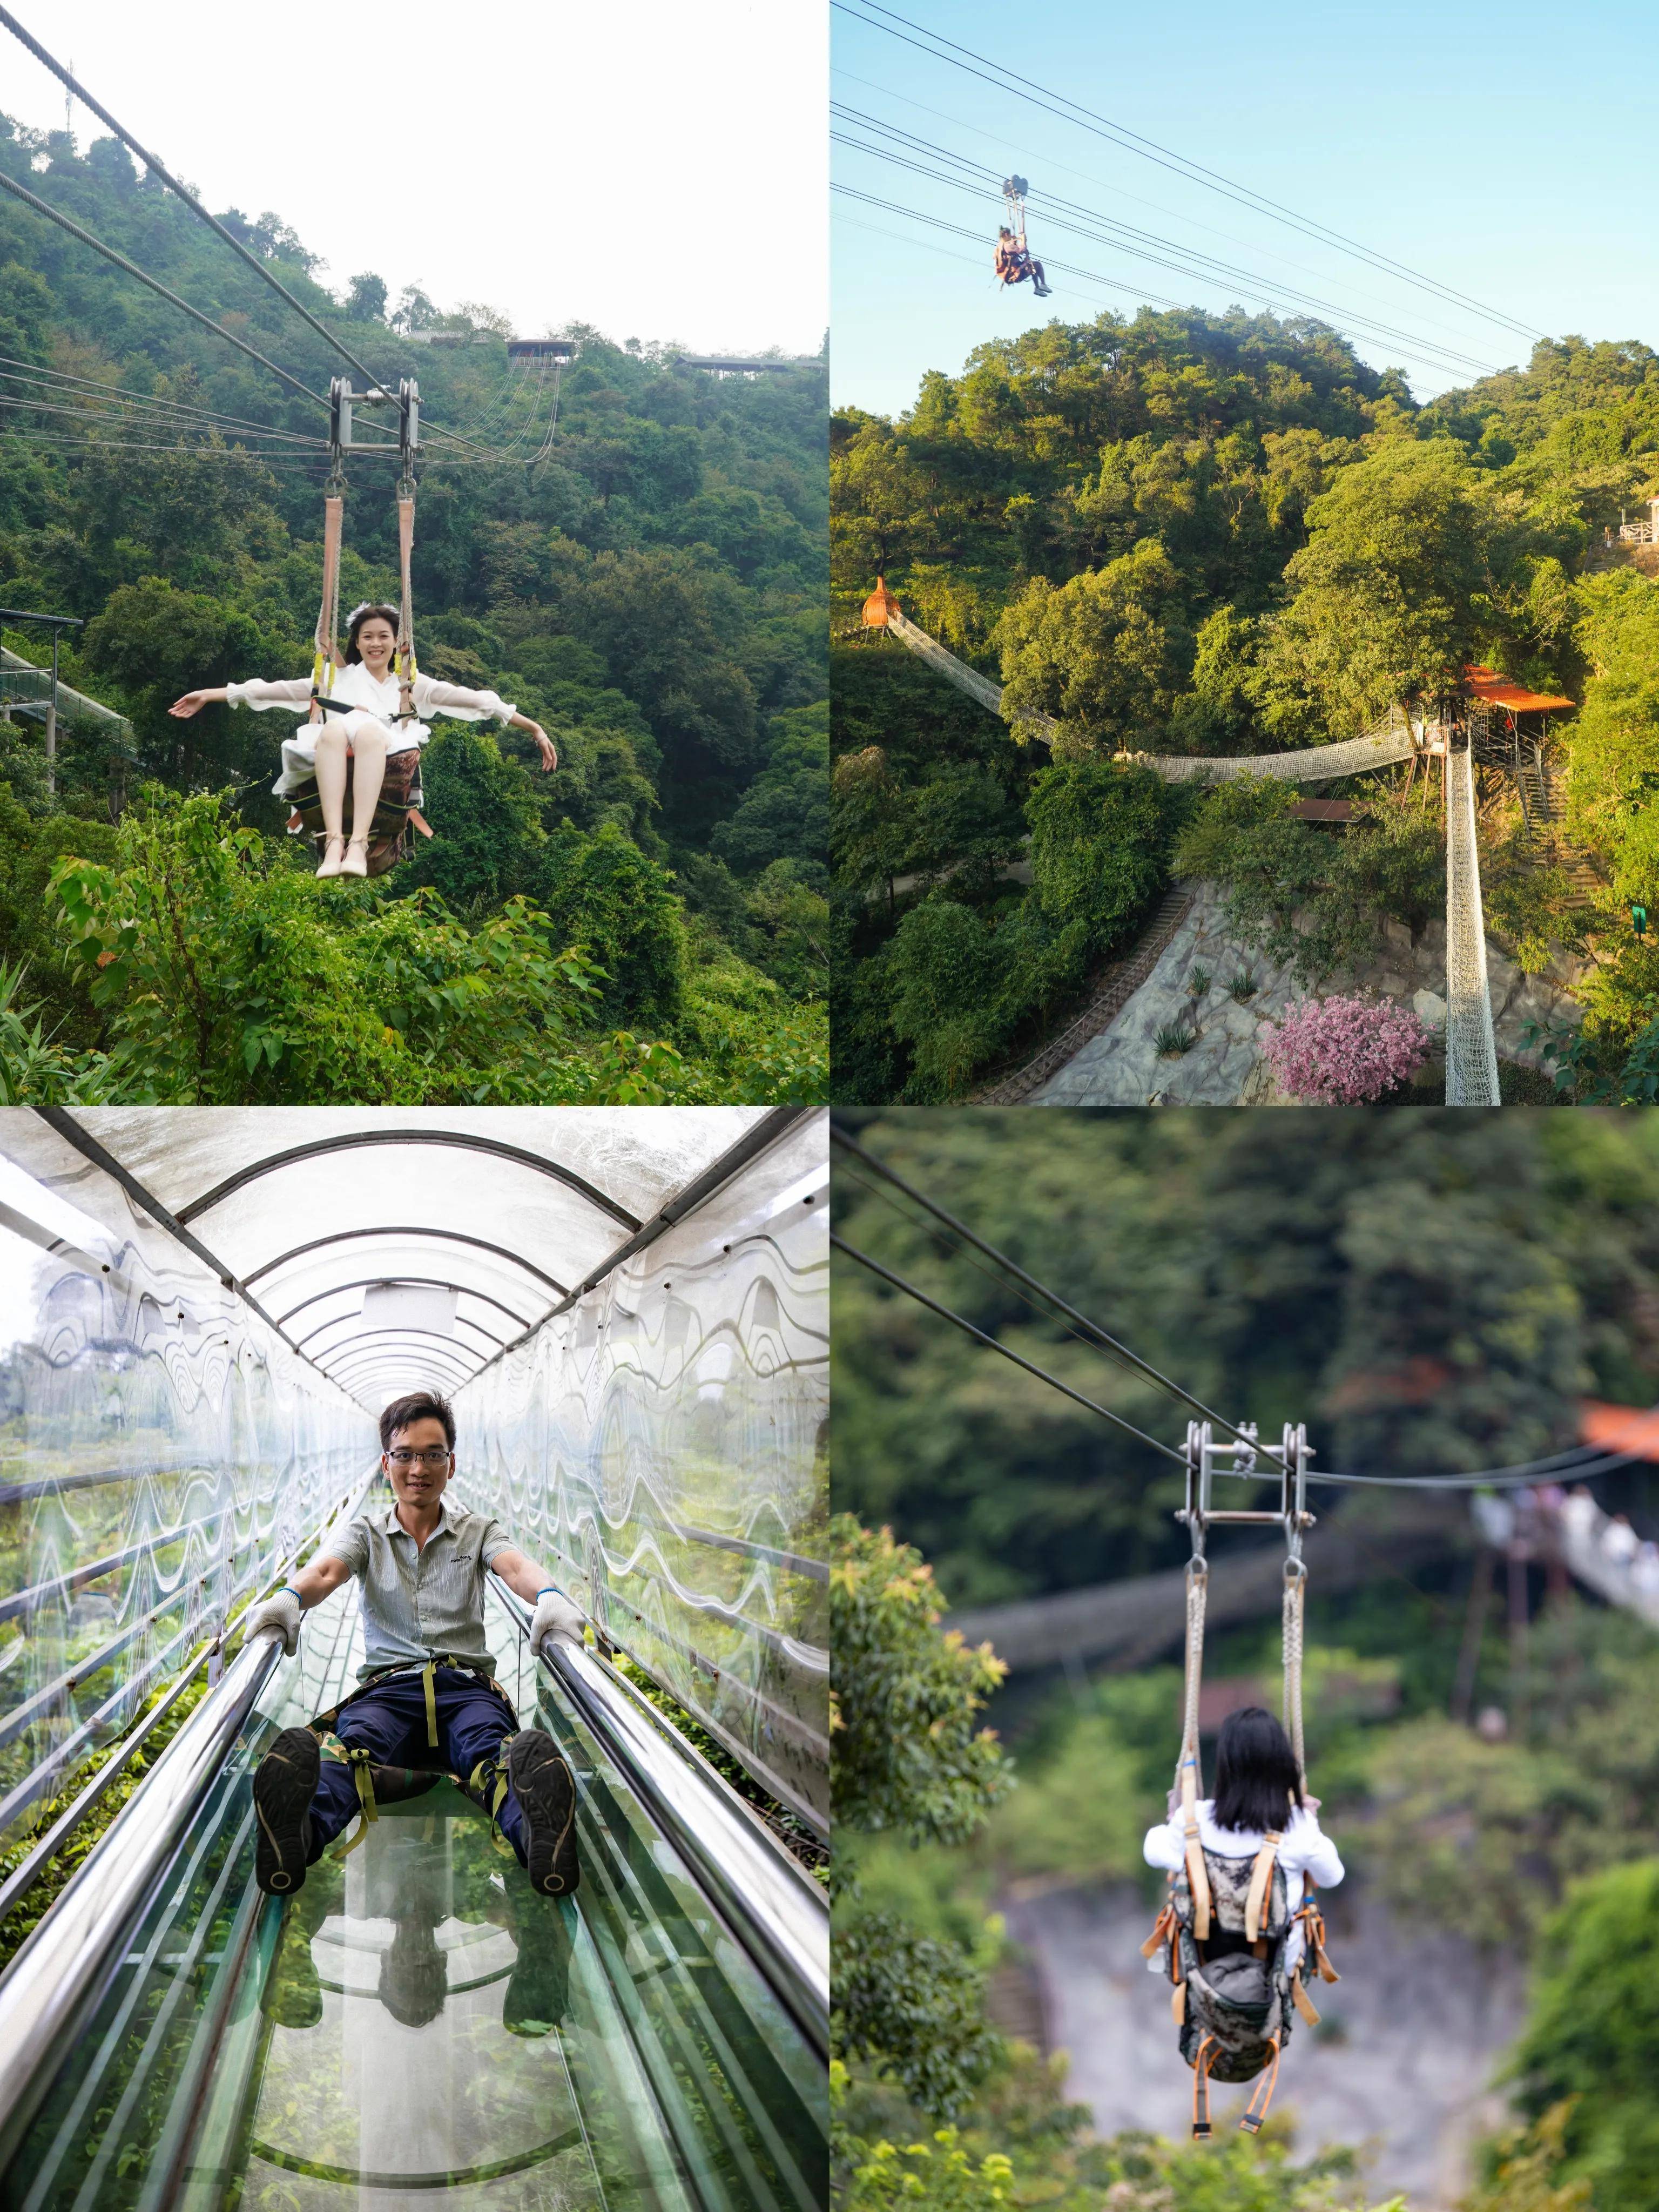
(651, 591)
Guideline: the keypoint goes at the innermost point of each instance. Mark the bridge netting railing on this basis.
(1471, 1043)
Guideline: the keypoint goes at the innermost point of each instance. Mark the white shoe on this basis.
(333, 861)
(355, 862)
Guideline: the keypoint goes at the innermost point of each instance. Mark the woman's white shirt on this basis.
(1304, 1849)
(354, 686)
(1305, 1853)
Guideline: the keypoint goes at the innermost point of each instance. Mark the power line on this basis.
(1207, 268)
(1101, 127)
(86, 238)
(79, 92)
(980, 1337)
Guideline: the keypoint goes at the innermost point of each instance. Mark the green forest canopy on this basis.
(1211, 534)
(648, 921)
(1314, 1264)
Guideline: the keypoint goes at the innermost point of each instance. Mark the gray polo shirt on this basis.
(417, 1602)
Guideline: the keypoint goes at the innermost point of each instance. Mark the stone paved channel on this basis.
(1123, 1064)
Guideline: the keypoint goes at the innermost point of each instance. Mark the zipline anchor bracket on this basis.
(1239, 1458)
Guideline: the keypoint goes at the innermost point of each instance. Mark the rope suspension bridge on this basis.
(1471, 1076)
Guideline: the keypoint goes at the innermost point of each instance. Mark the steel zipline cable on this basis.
(980, 1336)
(1203, 268)
(64, 223)
(1581, 1462)
(1100, 126)
(266, 275)
(1044, 159)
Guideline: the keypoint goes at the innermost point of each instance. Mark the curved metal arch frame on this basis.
(456, 1369)
(368, 1336)
(466, 1358)
(408, 1357)
(361, 1140)
(338, 1321)
(426, 1376)
(430, 1282)
(447, 1236)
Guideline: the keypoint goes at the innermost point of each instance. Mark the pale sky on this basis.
(563, 162)
(1499, 148)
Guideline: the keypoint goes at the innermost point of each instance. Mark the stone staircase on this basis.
(1546, 815)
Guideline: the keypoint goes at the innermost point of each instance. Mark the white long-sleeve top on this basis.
(354, 687)
(1305, 1853)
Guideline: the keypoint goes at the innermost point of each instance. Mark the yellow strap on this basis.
(428, 1678)
(1178, 2004)
(1303, 2004)
(1260, 1881)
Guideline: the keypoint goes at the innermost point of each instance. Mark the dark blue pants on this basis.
(390, 1721)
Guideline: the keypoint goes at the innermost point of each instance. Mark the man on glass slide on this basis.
(428, 1700)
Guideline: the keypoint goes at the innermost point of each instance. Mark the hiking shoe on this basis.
(539, 1989)
(284, 1784)
(546, 1791)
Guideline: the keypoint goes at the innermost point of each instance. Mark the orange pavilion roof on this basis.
(880, 607)
(1503, 691)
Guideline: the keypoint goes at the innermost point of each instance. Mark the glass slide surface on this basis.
(416, 2028)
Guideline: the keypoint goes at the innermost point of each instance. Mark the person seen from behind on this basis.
(1258, 1792)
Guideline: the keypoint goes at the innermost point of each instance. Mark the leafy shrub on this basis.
(917, 2008)
(1344, 1052)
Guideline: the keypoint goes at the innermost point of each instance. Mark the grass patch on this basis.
(1173, 1039)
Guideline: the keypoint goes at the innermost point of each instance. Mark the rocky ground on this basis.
(1402, 2061)
(1123, 1066)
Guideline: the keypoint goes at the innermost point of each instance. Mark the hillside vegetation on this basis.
(1215, 535)
(648, 921)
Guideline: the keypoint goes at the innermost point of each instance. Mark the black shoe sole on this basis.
(284, 1784)
(546, 1791)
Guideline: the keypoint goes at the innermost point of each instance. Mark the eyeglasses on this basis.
(406, 1459)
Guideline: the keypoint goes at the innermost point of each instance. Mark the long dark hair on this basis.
(1257, 1783)
(386, 614)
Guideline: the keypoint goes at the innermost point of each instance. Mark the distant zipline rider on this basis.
(1241, 1929)
(428, 1700)
(1014, 262)
(367, 708)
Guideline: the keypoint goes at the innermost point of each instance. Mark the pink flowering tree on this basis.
(1344, 1052)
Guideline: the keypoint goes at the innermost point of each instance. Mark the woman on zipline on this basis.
(1258, 1793)
(360, 723)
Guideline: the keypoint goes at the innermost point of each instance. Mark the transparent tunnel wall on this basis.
(662, 1447)
(162, 1453)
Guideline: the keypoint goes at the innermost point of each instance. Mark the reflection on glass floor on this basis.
(417, 2029)
(431, 2025)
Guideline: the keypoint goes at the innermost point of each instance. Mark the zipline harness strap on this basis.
(1295, 1599)
(1187, 1780)
(359, 1758)
(1201, 2090)
(479, 1785)
(406, 670)
(1261, 2096)
(1261, 1877)
(328, 614)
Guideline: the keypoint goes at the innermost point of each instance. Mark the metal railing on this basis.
(773, 1908)
(1471, 1043)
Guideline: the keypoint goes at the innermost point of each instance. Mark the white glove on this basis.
(277, 1617)
(556, 1619)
